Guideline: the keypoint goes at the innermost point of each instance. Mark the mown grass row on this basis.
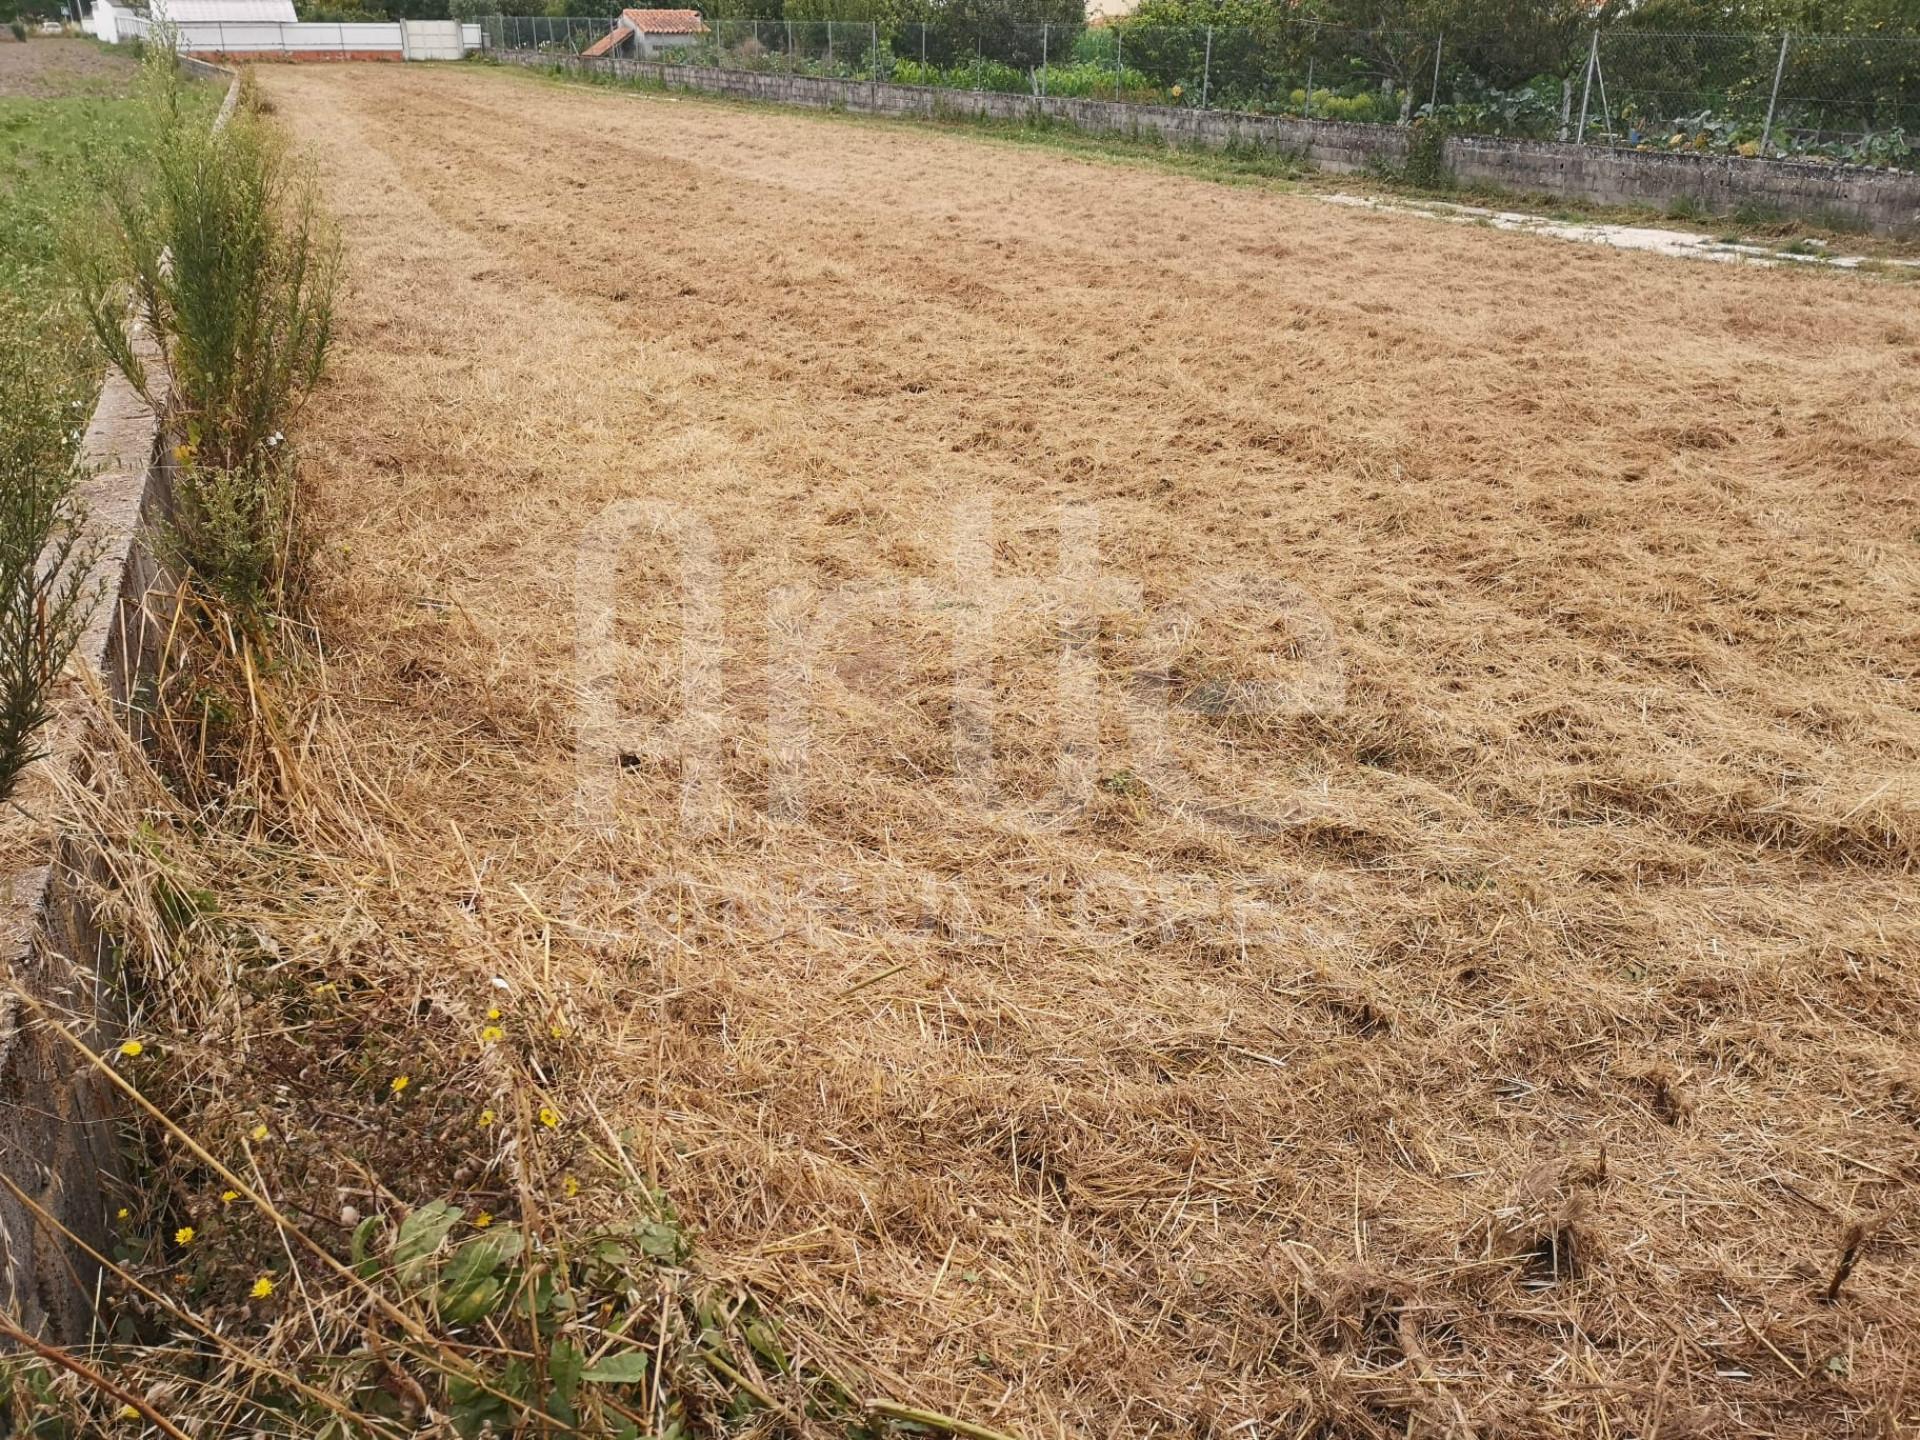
(343, 1216)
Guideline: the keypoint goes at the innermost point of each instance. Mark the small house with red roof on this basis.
(640, 33)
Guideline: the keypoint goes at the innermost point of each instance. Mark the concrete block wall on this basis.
(1879, 201)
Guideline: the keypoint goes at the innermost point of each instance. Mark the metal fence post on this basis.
(1606, 110)
(829, 45)
(1439, 47)
(1206, 69)
(1586, 88)
(1309, 114)
(1043, 57)
(873, 48)
(1119, 64)
(1779, 69)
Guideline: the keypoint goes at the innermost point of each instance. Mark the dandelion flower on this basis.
(549, 1117)
(131, 1048)
(127, 1412)
(262, 1288)
(558, 1029)
(482, 1220)
(399, 1083)
(184, 1235)
(571, 1186)
(227, 1197)
(259, 1132)
(121, 1213)
(486, 1118)
(492, 1035)
(494, 1013)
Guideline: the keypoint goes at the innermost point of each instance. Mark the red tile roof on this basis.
(648, 22)
(665, 22)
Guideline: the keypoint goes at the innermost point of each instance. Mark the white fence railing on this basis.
(403, 40)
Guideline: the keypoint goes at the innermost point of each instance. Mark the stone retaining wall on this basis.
(1880, 201)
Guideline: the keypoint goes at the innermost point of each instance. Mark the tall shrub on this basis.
(232, 271)
(46, 590)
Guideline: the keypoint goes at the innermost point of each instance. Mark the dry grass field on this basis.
(1434, 951)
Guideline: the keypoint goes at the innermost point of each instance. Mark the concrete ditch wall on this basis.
(59, 1118)
(1879, 201)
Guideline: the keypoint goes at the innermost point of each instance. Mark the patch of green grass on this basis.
(1237, 161)
(1754, 215)
(54, 153)
(1888, 270)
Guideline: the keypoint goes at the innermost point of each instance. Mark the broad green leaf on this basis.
(564, 1366)
(627, 1368)
(421, 1234)
(473, 1409)
(470, 1302)
(361, 1248)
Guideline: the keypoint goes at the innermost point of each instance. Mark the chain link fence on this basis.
(1852, 99)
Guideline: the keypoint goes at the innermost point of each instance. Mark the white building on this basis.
(641, 32)
(232, 12)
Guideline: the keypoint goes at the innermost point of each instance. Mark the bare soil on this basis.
(1436, 952)
(49, 67)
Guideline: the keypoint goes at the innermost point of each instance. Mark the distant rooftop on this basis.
(184, 12)
(665, 22)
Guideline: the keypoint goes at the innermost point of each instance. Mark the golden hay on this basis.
(1524, 1069)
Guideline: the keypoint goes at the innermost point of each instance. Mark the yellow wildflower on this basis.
(259, 1132)
(549, 1117)
(571, 1186)
(558, 1029)
(492, 1035)
(494, 1013)
(227, 1197)
(121, 1213)
(131, 1048)
(184, 1235)
(127, 1412)
(262, 1288)
(398, 1083)
(486, 1118)
(482, 1220)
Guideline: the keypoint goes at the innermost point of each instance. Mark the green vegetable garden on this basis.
(1852, 99)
